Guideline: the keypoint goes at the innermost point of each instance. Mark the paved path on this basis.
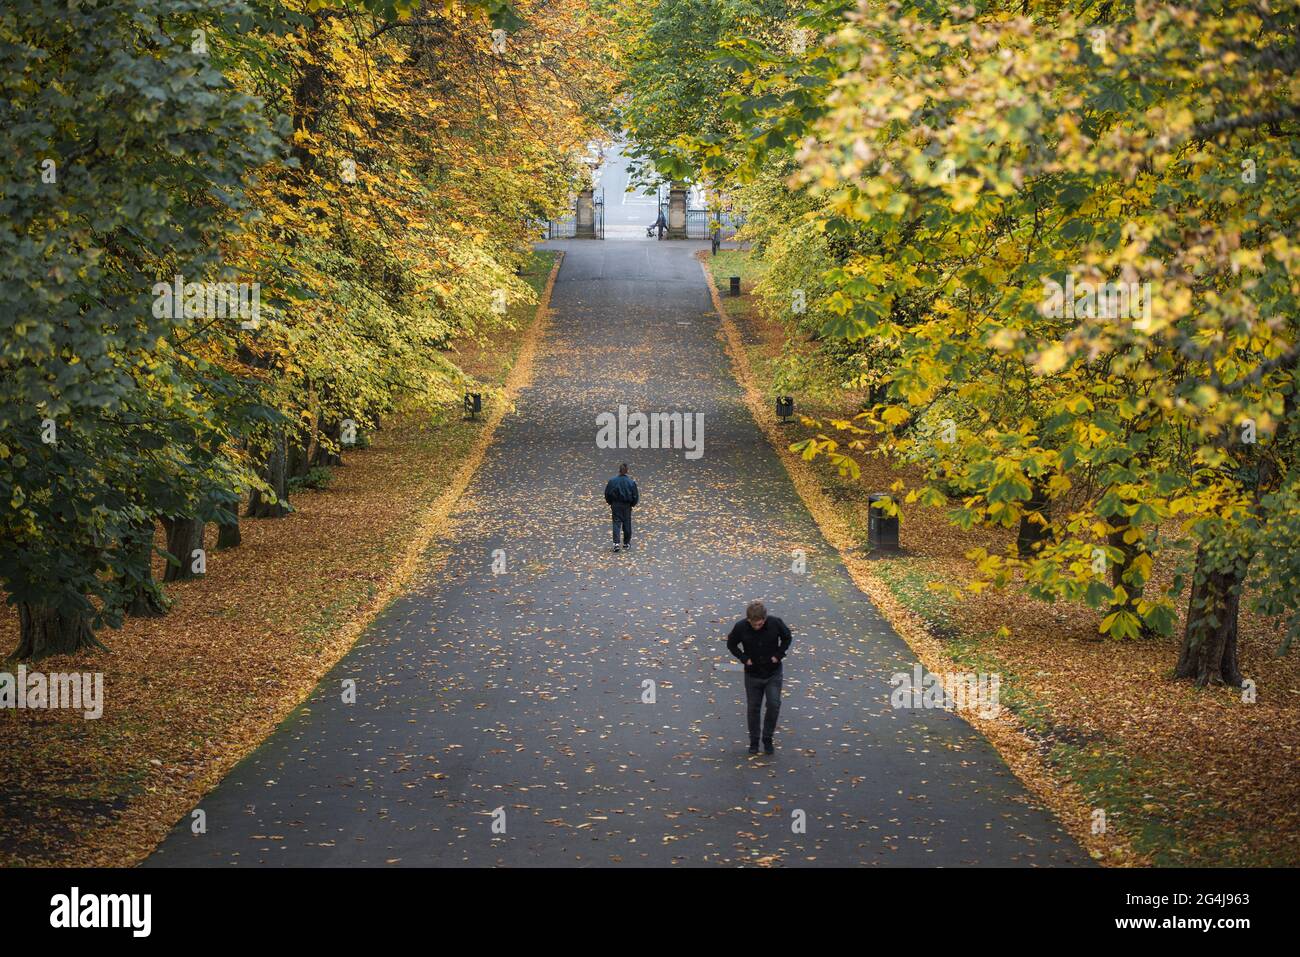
(523, 691)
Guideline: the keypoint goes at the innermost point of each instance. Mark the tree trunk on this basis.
(300, 455)
(46, 631)
(1209, 652)
(1130, 550)
(323, 454)
(1032, 534)
(228, 536)
(143, 596)
(275, 474)
(184, 537)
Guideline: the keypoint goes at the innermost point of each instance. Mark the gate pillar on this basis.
(677, 211)
(586, 215)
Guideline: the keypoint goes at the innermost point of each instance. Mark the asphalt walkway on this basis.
(518, 701)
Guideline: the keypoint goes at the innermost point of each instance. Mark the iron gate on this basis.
(698, 220)
(566, 226)
(563, 228)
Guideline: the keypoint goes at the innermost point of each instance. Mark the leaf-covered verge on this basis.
(189, 695)
(1185, 776)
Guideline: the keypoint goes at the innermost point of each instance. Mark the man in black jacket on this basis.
(622, 495)
(761, 642)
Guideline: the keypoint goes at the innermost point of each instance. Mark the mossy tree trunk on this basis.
(142, 597)
(46, 631)
(276, 474)
(229, 536)
(1209, 651)
(184, 542)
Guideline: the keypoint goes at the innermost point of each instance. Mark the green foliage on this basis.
(380, 196)
(676, 82)
(144, 147)
(954, 170)
(317, 478)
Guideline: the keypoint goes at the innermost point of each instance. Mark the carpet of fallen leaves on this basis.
(1185, 776)
(188, 695)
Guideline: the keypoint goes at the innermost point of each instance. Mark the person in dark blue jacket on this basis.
(622, 495)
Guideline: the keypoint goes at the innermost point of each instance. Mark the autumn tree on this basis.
(370, 173)
(1060, 237)
(125, 156)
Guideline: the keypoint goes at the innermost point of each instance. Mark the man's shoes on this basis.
(626, 546)
(753, 747)
(768, 748)
(617, 548)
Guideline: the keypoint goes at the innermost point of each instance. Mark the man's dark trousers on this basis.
(622, 513)
(756, 690)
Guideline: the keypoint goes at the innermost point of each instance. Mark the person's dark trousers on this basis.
(622, 519)
(756, 690)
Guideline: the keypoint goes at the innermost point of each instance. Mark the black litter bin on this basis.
(882, 529)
